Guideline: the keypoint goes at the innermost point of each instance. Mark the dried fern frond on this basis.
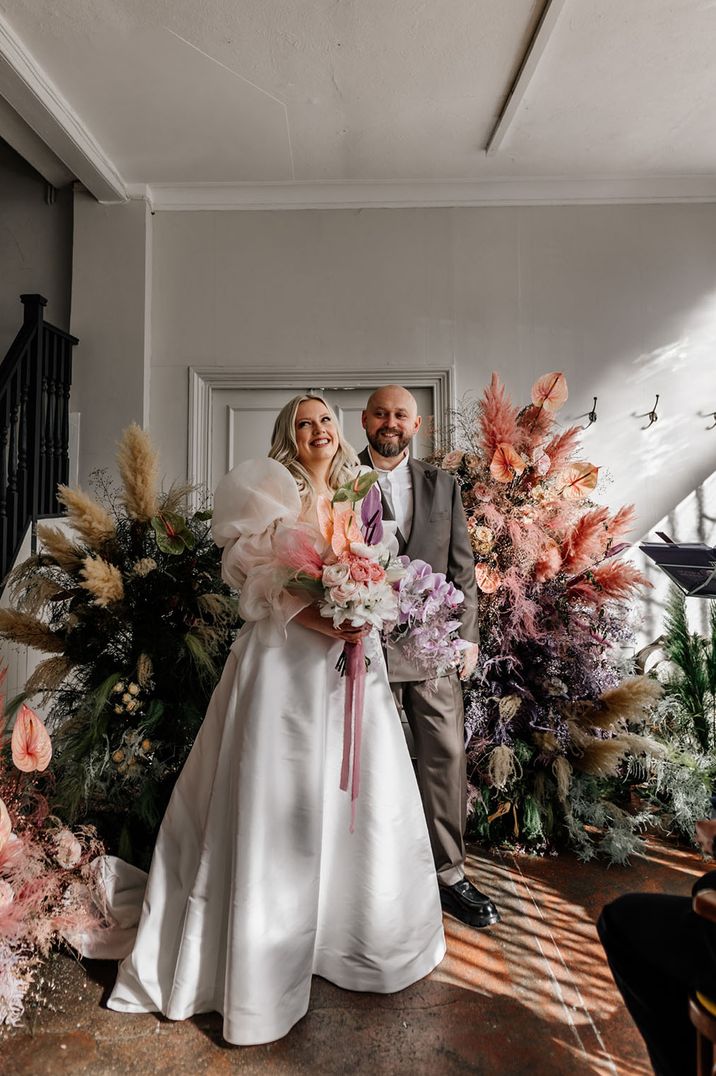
(626, 702)
(103, 580)
(48, 675)
(27, 630)
(139, 468)
(91, 521)
(57, 545)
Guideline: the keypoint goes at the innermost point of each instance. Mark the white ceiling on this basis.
(298, 100)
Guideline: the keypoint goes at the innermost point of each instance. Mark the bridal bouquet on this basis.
(352, 570)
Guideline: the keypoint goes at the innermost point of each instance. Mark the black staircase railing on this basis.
(35, 379)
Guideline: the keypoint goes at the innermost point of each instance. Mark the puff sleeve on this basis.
(249, 502)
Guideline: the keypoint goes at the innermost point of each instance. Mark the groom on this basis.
(425, 502)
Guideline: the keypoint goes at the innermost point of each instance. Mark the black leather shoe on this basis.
(468, 904)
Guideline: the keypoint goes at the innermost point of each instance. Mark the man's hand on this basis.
(706, 834)
(469, 661)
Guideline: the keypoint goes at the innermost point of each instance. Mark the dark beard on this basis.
(388, 449)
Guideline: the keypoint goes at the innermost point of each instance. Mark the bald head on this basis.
(390, 421)
(393, 396)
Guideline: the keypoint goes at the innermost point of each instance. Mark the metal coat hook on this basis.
(709, 414)
(591, 415)
(651, 415)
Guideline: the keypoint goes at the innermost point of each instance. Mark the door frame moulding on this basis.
(205, 380)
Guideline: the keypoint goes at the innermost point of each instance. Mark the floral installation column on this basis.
(550, 716)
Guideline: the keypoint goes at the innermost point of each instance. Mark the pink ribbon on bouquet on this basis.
(353, 720)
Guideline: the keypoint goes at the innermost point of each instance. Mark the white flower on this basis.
(133, 689)
(336, 574)
(7, 894)
(69, 849)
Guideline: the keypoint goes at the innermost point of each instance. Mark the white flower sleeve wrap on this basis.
(249, 503)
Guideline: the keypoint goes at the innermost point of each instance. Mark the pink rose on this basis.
(377, 574)
(360, 570)
(452, 460)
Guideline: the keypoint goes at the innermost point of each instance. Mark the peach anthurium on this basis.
(506, 463)
(31, 744)
(580, 478)
(550, 391)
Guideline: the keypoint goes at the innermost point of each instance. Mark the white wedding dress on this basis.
(256, 883)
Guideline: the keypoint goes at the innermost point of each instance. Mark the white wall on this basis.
(621, 298)
(111, 310)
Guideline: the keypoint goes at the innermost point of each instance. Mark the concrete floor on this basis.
(532, 995)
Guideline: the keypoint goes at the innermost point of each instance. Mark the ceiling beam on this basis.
(28, 90)
(31, 148)
(530, 60)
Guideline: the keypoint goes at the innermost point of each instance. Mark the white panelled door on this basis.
(242, 420)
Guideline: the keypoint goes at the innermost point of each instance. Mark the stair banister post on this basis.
(34, 305)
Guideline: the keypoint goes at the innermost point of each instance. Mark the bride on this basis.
(256, 883)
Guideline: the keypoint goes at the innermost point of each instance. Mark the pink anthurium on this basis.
(31, 744)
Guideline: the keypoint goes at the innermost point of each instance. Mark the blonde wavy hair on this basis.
(285, 450)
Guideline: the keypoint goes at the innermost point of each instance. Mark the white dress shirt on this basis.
(397, 487)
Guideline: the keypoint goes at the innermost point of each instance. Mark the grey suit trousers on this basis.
(434, 711)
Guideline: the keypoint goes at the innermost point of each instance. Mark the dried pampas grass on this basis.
(563, 778)
(139, 468)
(34, 594)
(627, 702)
(601, 758)
(502, 766)
(91, 521)
(145, 670)
(103, 580)
(497, 418)
(48, 675)
(27, 630)
(60, 548)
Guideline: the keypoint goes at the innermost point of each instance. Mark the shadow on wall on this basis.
(693, 520)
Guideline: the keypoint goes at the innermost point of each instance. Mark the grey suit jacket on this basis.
(438, 536)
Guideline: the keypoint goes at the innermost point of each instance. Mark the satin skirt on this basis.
(256, 882)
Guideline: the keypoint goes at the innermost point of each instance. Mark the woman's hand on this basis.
(310, 617)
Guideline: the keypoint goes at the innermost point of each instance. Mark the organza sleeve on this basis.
(248, 504)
